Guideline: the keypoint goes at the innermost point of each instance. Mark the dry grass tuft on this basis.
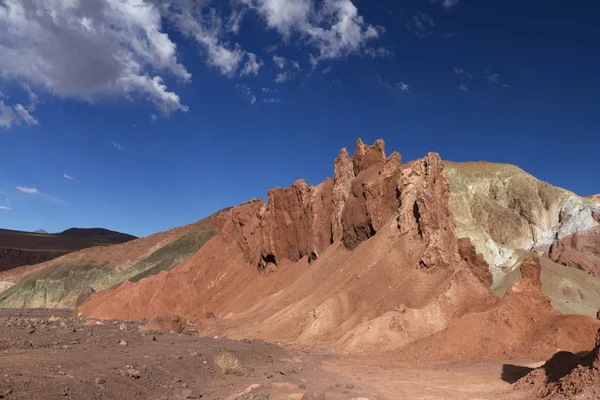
(227, 363)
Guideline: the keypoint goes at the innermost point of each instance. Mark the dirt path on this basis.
(47, 354)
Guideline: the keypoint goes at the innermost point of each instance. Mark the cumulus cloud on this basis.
(67, 176)
(271, 100)
(333, 27)
(5, 208)
(463, 88)
(403, 87)
(269, 90)
(117, 146)
(246, 91)
(93, 49)
(458, 71)
(153, 117)
(85, 49)
(28, 190)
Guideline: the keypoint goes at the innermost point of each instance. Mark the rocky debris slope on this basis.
(62, 281)
(522, 325)
(503, 209)
(566, 376)
(366, 261)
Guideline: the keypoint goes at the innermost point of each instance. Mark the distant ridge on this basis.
(41, 232)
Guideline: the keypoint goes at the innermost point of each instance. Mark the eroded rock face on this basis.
(579, 250)
(424, 210)
(367, 192)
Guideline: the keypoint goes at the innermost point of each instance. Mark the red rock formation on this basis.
(479, 266)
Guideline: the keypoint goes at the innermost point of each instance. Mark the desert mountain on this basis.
(27, 248)
(371, 260)
(416, 258)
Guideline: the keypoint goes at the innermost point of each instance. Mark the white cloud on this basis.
(505, 85)
(295, 64)
(269, 90)
(271, 100)
(117, 146)
(67, 176)
(33, 98)
(7, 116)
(206, 28)
(282, 77)
(28, 190)
(246, 91)
(7, 200)
(493, 78)
(25, 116)
(235, 20)
(34, 191)
(403, 87)
(463, 88)
(87, 49)
(153, 117)
(327, 70)
(5, 208)
(333, 27)
(458, 71)
(252, 65)
(279, 61)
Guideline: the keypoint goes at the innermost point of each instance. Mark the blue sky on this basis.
(164, 112)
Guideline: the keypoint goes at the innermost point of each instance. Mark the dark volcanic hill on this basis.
(19, 248)
(98, 234)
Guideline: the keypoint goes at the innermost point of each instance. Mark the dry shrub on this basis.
(227, 363)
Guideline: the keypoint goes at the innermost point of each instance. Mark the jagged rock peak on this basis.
(365, 156)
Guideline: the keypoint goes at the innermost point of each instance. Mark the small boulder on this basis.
(100, 381)
(191, 393)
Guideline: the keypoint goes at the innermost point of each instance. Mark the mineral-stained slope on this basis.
(369, 260)
(502, 209)
(64, 281)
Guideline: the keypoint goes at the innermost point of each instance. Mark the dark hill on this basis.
(19, 248)
(99, 234)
